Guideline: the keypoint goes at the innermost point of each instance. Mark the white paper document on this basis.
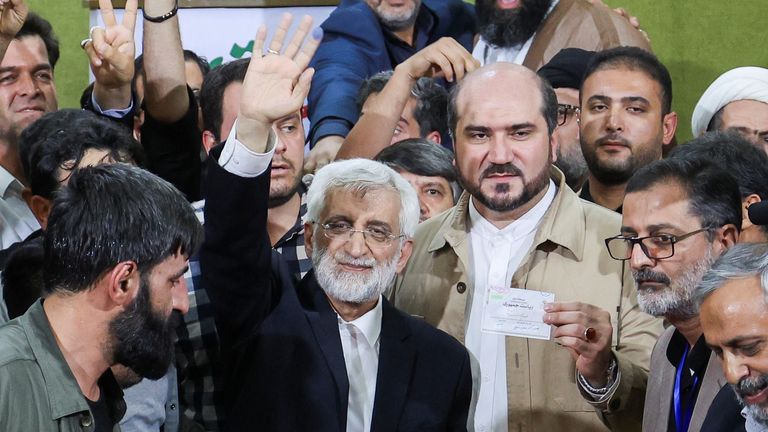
(516, 312)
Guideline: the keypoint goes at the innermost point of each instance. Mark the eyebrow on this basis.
(432, 184)
(626, 99)
(486, 129)
(739, 340)
(38, 67)
(179, 274)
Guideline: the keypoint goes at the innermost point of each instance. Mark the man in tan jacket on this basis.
(519, 225)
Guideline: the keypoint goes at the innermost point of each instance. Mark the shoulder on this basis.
(15, 346)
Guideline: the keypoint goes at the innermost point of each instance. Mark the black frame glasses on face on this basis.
(565, 111)
(658, 247)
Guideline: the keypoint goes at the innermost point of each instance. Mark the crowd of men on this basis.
(488, 226)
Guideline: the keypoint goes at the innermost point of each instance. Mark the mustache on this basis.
(612, 137)
(750, 385)
(343, 258)
(506, 168)
(651, 276)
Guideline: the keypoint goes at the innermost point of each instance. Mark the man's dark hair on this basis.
(733, 153)
(431, 102)
(634, 59)
(35, 25)
(58, 141)
(212, 93)
(423, 158)
(713, 193)
(202, 62)
(548, 105)
(113, 213)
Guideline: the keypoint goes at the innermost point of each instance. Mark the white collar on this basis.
(6, 180)
(369, 323)
(752, 425)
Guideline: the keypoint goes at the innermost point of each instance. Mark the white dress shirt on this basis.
(16, 219)
(751, 424)
(360, 342)
(496, 254)
(487, 53)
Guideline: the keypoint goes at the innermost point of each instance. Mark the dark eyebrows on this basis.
(179, 274)
(289, 117)
(36, 68)
(636, 99)
(740, 340)
(511, 128)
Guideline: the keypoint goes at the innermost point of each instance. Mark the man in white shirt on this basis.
(734, 317)
(331, 353)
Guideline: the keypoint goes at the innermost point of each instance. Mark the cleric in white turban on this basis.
(736, 100)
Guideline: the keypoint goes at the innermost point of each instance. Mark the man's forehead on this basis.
(26, 51)
(662, 204)
(622, 81)
(508, 90)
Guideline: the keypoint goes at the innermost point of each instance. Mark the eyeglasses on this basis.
(374, 237)
(565, 112)
(654, 247)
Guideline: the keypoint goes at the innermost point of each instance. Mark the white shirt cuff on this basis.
(600, 398)
(114, 113)
(240, 160)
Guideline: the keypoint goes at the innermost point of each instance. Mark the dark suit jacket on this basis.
(282, 344)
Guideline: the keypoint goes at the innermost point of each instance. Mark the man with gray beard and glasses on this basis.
(328, 354)
(679, 216)
(531, 32)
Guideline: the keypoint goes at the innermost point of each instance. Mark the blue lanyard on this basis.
(680, 422)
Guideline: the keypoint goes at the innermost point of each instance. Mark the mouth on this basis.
(508, 4)
(756, 398)
(34, 109)
(500, 176)
(354, 268)
(280, 168)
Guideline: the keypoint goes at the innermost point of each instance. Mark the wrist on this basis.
(602, 380)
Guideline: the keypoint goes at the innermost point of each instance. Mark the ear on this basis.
(41, 207)
(309, 239)
(728, 237)
(554, 145)
(435, 137)
(669, 126)
(123, 282)
(209, 141)
(405, 253)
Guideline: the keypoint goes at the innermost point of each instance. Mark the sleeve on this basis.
(638, 333)
(23, 399)
(459, 417)
(172, 150)
(87, 103)
(237, 159)
(352, 49)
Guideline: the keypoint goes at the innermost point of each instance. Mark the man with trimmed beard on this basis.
(531, 32)
(111, 297)
(518, 225)
(626, 120)
(679, 216)
(363, 38)
(732, 297)
(330, 353)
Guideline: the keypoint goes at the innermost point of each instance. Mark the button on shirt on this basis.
(16, 219)
(360, 343)
(496, 255)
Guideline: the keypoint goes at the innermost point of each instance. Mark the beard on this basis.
(506, 28)
(142, 338)
(573, 165)
(750, 386)
(675, 300)
(281, 194)
(616, 172)
(393, 21)
(352, 287)
(505, 202)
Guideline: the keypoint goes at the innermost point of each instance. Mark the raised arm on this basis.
(373, 131)
(12, 16)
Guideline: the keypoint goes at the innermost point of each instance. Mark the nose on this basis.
(638, 259)
(356, 246)
(423, 209)
(500, 152)
(180, 297)
(279, 145)
(615, 120)
(27, 85)
(734, 368)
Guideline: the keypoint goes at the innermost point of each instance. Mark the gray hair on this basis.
(362, 175)
(742, 261)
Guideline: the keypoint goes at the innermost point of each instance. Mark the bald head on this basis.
(510, 83)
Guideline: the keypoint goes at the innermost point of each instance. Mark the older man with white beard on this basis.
(531, 32)
(331, 353)
(679, 216)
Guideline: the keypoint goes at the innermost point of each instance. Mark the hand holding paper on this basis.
(516, 312)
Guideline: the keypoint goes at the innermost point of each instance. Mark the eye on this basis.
(397, 131)
(378, 234)
(478, 136)
(521, 134)
(433, 192)
(337, 227)
(635, 109)
(44, 75)
(288, 129)
(7, 79)
(750, 350)
(598, 107)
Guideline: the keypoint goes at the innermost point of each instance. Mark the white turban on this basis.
(750, 83)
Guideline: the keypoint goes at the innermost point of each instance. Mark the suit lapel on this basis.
(396, 361)
(324, 324)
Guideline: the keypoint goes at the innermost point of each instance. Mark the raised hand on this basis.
(444, 58)
(277, 82)
(12, 16)
(111, 50)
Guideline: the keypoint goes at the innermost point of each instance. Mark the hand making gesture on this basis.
(13, 13)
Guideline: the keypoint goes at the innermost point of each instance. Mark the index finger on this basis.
(563, 306)
(107, 13)
(129, 17)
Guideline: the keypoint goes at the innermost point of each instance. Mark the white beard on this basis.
(352, 287)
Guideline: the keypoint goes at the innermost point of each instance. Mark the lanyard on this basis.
(680, 421)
